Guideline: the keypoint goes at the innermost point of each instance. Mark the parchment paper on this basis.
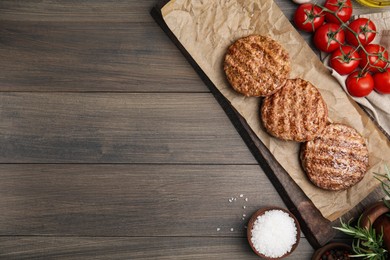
(206, 29)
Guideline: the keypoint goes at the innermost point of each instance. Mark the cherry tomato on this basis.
(359, 83)
(308, 17)
(342, 8)
(329, 37)
(382, 82)
(376, 58)
(365, 29)
(344, 60)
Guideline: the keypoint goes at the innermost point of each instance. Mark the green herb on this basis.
(367, 244)
(385, 185)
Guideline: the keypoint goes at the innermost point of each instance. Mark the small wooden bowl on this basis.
(331, 246)
(375, 216)
(261, 212)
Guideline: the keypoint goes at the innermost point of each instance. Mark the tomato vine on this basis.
(334, 29)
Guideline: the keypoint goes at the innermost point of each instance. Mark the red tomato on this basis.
(376, 58)
(342, 8)
(382, 82)
(329, 37)
(365, 29)
(308, 17)
(359, 83)
(344, 60)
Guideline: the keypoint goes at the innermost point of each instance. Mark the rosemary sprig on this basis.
(367, 244)
(385, 185)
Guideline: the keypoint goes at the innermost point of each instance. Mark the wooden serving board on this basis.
(317, 229)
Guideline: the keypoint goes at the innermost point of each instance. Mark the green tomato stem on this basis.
(356, 35)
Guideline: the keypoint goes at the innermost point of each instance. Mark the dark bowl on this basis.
(331, 246)
(261, 212)
(376, 216)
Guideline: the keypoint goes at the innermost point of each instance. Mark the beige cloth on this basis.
(377, 105)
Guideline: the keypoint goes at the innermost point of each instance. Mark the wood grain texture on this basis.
(131, 200)
(142, 169)
(117, 128)
(90, 10)
(89, 45)
(76, 10)
(211, 248)
(92, 56)
(92, 46)
(103, 10)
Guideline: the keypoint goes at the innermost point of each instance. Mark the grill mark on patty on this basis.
(346, 156)
(265, 54)
(246, 74)
(285, 113)
(264, 62)
(339, 153)
(259, 66)
(305, 99)
(336, 175)
(242, 72)
(308, 101)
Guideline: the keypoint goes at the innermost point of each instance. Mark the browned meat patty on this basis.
(336, 160)
(296, 112)
(256, 65)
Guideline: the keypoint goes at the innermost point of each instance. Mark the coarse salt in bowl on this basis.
(273, 233)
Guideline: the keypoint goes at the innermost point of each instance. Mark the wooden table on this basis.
(111, 147)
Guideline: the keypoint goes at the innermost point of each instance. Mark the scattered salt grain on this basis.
(218, 229)
(244, 207)
(232, 229)
(274, 233)
(246, 199)
(241, 195)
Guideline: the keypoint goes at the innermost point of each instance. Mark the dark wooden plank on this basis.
(117, 128)
(90, 45)
(201, 248)
(131, 200)
(100, 10)
(92, 56)
(77, 10)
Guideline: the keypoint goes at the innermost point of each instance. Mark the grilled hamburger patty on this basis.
(256, 65)
(296, 112)
(336, 160)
